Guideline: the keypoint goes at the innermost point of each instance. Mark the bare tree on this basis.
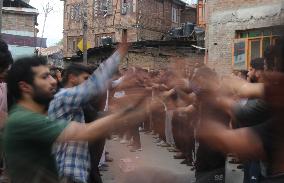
(47, 8)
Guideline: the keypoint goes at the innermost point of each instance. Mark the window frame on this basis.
(248, 41)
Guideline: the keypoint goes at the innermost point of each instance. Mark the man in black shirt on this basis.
(210, 163)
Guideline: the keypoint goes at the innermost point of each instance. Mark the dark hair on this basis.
(257, 64)
(205, 72)
(21, 70)
(244, 73)
(74, 69)
(5, 56)
(92, 68)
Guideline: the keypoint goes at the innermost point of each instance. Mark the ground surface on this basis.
(151, 164)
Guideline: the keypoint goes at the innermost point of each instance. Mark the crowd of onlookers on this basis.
(199, 115)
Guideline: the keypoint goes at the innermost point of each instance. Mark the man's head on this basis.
(56, 73)
(243, 74)
(206, 78)
(29, 78)
(256, 70)
(6, 60)
(75, 74)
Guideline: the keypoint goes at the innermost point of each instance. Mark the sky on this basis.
(54, 23)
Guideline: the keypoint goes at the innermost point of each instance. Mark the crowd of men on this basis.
(59, 120)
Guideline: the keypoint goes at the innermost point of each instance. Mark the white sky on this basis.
(54, 24)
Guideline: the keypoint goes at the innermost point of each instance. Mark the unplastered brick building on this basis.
(138, 20)
(19, 21)
(239, 31)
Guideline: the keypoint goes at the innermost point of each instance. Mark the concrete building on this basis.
(239, 31)
(19, 21)
(111, 19)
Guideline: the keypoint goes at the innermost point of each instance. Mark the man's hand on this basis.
(242, 88)
(243, 141)
(233, 84)
(188, 109)
(133, 98)
(167, 94)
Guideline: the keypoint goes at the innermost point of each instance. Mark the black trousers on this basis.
(276, 179)
(212, 176)
(96, 150)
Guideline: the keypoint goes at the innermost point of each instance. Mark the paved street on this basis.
(152, 163)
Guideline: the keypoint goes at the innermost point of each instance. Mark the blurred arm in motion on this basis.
(242, 88)
(243, 141)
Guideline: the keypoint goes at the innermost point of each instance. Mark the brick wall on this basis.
(225, 17)
(188, 15)
(18, 22)
(147, 20)
(156, 18)
(98, 25)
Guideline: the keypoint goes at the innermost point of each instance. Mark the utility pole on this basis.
(85, 31)
(47, 9)
(1, 6)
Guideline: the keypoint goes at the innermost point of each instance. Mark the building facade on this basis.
(19, 21)
(137, 20)
(239, 31)
(201, 13)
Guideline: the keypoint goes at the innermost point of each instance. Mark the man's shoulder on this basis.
(19, 114)
(63, 96)
(59, 99)
(63, 92)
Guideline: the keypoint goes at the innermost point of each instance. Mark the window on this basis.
(76, 12)
(104, 39)
(74, 45)
(239, 55)
(103, 7)
(256, 33)
(127, 7)
(253, 45)
(266, 42)
(98, 41)
(175, 15)
(254, 49)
